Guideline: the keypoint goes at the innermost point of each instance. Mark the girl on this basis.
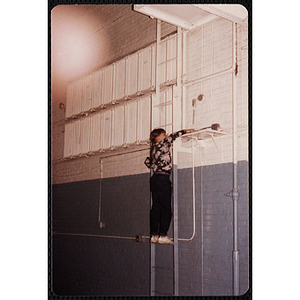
(160, 184)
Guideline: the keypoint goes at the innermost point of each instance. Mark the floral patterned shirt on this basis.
(161, 155)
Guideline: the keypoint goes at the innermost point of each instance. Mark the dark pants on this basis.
(160, 214)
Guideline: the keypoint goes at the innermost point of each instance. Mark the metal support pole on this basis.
(158, 40)
(177, 123)
(184, 77)
(235, 194)
(177, 107)
(175, 214)
(152, 270)
(157, 95)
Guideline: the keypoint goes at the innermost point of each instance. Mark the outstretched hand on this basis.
(190, 130)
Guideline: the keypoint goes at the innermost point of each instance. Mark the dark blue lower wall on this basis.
(99, 266)
(86, 264)
(205, 263)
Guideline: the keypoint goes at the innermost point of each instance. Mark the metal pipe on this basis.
(175, 219)
(194, 196)
(152, 259)
(101, 235)
(96, 235)
(176, 108)
(157, 95)
(201, 222)
(152, 270)
(158, 41)
(140, 74)
(211, 76)
(184, 77)
(235, 193)
(101, 224)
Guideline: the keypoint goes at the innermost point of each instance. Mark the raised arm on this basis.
(179, 133)
(189, 130)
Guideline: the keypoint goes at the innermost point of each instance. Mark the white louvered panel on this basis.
(163, 51)
(131, 122)
(131, 74)
(171, 58)
(162, 67)
(84, 100)
(159, 117)
(155, 118)
(69, 103)
(168, 64)
(153, 65)
(162, 116)
(169, 129)
(77, 97)
(96, 90)
(85, 132)
(119, 124)
(68, 140)
(169, 115)
(106, 129)
(169, 107)
(169, 94)
(76, 140)
(120, 79)
(155, 115)
(163, 111)
(155, 100)
(112, 134)
(102, 130)
(95, 133)
(107, 84)
(163, 96)
(87, 83)
(145, 67)
(143, 119)
(101, 84)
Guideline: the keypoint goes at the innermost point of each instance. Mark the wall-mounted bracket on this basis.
(139, 238)
(204, 134)
(187, 140)
(101, 224)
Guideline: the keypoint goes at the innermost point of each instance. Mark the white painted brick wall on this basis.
(125, 164)
(216, 107)
(209, 51)
(125, 37)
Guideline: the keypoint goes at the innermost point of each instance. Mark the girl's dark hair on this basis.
(154, 133)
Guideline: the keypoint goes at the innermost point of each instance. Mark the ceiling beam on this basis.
(234, 12)
(206, 13)
(154, 12)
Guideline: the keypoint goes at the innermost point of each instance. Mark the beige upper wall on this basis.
(216, 106)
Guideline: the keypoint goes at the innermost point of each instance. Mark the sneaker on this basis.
(154, 239)
(165, 240)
